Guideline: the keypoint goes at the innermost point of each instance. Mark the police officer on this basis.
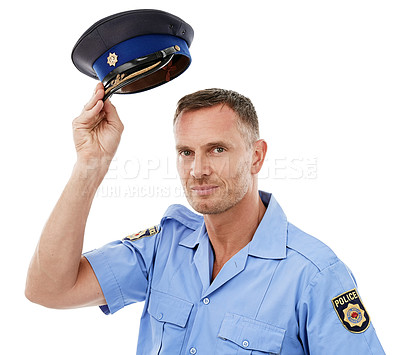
(237, 278)
(234, 278)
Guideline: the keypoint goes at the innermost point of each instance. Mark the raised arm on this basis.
(58, 276)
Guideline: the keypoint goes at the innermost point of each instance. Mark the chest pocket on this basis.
(169, 318)
(241, 335)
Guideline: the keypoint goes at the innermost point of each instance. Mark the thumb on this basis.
(112, 115)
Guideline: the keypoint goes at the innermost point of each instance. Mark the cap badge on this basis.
(112, 59)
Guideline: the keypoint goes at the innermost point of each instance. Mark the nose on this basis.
(200, 167)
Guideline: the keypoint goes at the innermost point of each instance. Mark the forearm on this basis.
(55, 263)
(58, 275)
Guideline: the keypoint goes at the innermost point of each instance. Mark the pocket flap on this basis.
(251, 334)
(168, 308)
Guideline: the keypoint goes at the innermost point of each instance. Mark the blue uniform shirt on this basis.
(284, 293)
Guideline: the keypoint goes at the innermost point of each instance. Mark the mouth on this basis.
(204, 190)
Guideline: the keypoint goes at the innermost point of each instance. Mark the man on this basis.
(239, 279)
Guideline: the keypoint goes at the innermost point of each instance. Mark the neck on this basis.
(232, 230)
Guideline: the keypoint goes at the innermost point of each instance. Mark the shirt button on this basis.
(159, 316)
(245, 343)
(206, 300)
(193, 351)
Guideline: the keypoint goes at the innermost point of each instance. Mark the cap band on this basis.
(135, 48)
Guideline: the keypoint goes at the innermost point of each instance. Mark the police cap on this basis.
(135, 50)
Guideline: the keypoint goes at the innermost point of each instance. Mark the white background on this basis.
(325, 80)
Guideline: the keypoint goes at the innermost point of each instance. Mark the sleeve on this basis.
(123, 268)
(332, 317)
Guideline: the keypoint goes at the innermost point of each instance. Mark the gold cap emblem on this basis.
(112, 59)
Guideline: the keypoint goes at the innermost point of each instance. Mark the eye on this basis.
(185, 153)
(219, 150)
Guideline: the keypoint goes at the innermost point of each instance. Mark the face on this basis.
(213, 159)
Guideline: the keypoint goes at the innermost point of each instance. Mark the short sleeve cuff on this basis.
(107, 280)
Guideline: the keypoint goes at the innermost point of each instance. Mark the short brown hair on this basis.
(241, 105)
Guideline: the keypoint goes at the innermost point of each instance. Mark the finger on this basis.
(109, 108)
(96, 109)
(112, 115)
(90, 118)
(98, 94)
(99, 85)
(93, 115)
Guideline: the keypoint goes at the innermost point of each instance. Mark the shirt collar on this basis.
(269, 240)
(194, 238)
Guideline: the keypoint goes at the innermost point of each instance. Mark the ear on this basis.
(259, 153)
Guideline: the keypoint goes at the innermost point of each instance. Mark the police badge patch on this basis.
(351, 311)
(145, 233)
